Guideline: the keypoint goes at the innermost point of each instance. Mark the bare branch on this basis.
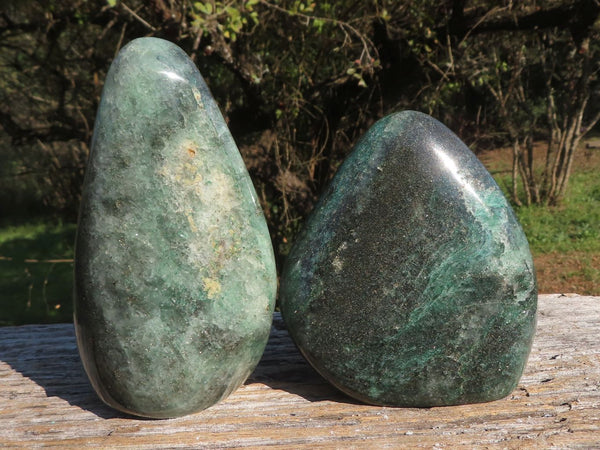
(138, 18)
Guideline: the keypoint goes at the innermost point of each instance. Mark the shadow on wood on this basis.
(58, 370)
(47, 355)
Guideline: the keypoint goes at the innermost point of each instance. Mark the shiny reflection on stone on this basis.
(172, 76)
(451, 166)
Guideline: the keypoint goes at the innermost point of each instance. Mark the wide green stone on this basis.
(412, 283)
(174, 271)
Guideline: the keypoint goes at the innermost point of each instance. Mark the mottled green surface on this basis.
(174, 275)
(412, 283)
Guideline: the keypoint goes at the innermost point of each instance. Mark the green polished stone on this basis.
(174, 271)
(412, 283)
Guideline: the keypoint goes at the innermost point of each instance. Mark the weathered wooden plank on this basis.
(46, 400)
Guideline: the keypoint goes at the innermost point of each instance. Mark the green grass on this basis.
(31, 289)
(572, 226)
(565, 240)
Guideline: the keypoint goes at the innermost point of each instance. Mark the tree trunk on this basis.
(515, 173)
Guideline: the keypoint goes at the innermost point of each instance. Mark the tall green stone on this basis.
(174, 271)
(412, 283)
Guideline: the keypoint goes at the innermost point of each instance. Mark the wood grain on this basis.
(46, 400)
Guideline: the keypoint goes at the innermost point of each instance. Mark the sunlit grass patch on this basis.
(36, 273)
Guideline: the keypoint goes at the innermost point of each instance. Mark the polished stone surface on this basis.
(174, 272)
(412, 283)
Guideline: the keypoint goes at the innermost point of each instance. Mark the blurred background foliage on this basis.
(298, 82)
